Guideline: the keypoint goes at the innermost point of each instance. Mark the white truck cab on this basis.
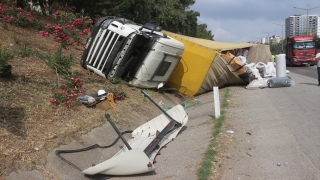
(140, 55)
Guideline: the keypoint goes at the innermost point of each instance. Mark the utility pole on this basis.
(268, 36)
(282, 34)
(307, 16)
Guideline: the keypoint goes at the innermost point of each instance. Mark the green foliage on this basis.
(143, 97)
(83, 7)
(59, 97)
(25, 51)
(66, 92)
(3, 1)
(115, 80)
(13, 12)
(38, 26)
(203, 33)
(5, 56)
(172, 15)
(226, 95)
(22, 22)
(39, 54)
(58, 62)
(205, 170)
(277, 48)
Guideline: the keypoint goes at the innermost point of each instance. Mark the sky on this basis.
(238, 21)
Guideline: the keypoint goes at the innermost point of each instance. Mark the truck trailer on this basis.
(141, 55)
(300, 50)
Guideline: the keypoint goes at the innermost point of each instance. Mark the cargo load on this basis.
(204, 64)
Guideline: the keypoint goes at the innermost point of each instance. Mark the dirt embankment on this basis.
(30, 125)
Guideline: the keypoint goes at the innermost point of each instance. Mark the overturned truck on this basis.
(140, 55)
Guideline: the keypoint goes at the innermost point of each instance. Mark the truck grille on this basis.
(305, 56)
(104, 49)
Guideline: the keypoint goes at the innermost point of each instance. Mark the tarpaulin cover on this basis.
(213, 45)
(219, 74)
(259, 53)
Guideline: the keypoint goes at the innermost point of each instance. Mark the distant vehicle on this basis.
(140, 55)
(301, 50)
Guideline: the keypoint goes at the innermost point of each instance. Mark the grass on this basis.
(225, 102)
(5, 56)
(25, 51)
(58, 62)
(205, 170)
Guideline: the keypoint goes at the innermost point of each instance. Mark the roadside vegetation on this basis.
(40, 75)
(205, 169)
(174, 16)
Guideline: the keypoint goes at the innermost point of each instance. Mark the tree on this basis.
(277, 48)
(203, 33)
(171, 15)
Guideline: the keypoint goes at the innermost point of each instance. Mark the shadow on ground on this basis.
(12, 119)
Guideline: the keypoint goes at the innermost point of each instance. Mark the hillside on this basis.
(30, 125)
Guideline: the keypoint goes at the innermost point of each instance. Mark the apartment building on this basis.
(271, 40)
(299, 25)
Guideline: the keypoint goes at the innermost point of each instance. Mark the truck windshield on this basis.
(304, 45)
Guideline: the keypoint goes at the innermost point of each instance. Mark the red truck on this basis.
(301, 50)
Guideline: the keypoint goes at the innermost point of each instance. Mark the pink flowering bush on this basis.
(68, 28)
(67, 33)
(68, 91)
(9, 13)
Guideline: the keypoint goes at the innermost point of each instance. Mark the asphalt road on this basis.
(276, 132)
(305, 70)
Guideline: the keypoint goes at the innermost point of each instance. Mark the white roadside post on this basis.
(216, 101)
